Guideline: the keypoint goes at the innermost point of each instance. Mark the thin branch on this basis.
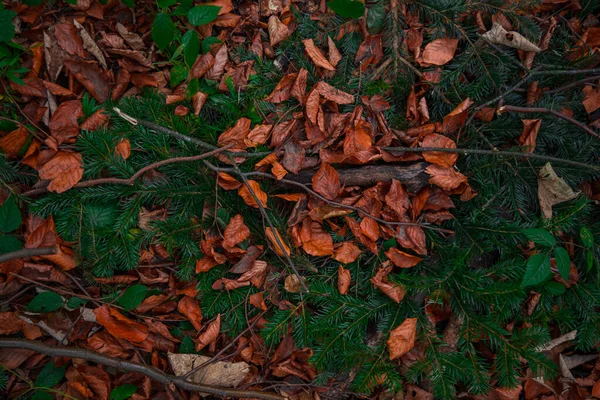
(180, 136)
(557, 114)
(572, 84)
(130, 181)
(26, 253)
(129, 366)
(493, 153)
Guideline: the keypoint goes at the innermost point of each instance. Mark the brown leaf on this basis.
(33, 87)
(258, 135)
(292, 284)
(326, 182)
(217, 69)
(456, 119)
(344, 279)
(92, 78)
(189, 307)
(397, 198)
(63, 124)
(552, 190)
(528, 138)
(95, 121)
(236, 134)
(315, 241)
(258, 301)
(202, 64)
(278, 31)
(369, 228)
(499, 35)
(346, 252)
(57, 90)
(68, 39)
(402, 259)
(402, 339)
(283, 89)
(334, 55)
(90, 45)
(256, 275)
(392, 290)
(245, 193)
(316, 56)
(235, 232)
(119, 325)
(440, 51)
(64, 170)
(272, 238)
(123, 79)
(217, 374)
(437, 157)
(133, 40)
(210, 335)
(198, 101)
(123, 149)
(446, 178)
(12, 143)
(298, 90)
(227, 181)
(333, 94)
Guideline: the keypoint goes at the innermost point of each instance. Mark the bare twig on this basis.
(26, 253)
(129, 366)
(572, 84)
(493, 153)
(557, 114)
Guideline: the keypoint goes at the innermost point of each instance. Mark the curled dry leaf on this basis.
(334, 55)
(456, 119)
(393, 291)
(90, 45)
(64, 171)
(499, 35)
(446, 178)
(119, 325)
(12, 143)
(326, 182)
(258, 301)
(219, 373)
(123, 149)
(315, 241)
(227, 181)
(402, 259)
(397, 198)
(528, 138)
(235, 232)
(278, 31)
(446, 160)
(343, 280)
(244, 192)
(316, 56)
(282, 91)
(292, 284)
(346, 252)
(272, 235)
(402, 339)
(210, 335)
(189, 307)
(552, 190)
(440, 51)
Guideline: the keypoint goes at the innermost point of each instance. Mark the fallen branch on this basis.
(129, 366)
(557, 114)
(27, 253)
(492, 153)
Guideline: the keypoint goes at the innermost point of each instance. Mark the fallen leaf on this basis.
(218, 373)
(315, 241)
(92, 78)
(552, 190)
(258, 301)
(528, 138)
(440, 51)
(64, 171)
(221, 59)
(210, 335)
(68, 39)
(133, 40)
(499, 35)
(278, 31)
(189, 307)
(12, 143)
(119, 325)
(292, 284)
(402, 259)
(397, 198)
(334, 55)
(90, 45)
(227, 181)
(402, 339)
(457, 118)
(123, 149)
(346, 252)
(316, 56)
(446, 178)
(245, 193)
(95, 121)
(326, 182)
(64, 126)
(235, 232)
(282, 91)
(437, 157)
(343, 280)
(393, 291)
(272, 235)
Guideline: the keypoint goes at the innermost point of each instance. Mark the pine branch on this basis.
(27, 253)
(129, 366)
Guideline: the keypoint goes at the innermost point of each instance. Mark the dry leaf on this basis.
(63, 124)
(346, 252)
(446, 178)
(437, 157)
(12, 143)
(235, 232)
(64, 170)
(90, 45)
(315, 241)
(334, 55)
(278, 31)
(219, 373)
(440, 51)
(402, 259)
(119, 325)
(68, 39)
(133, 40)
(402, 339)
(227, 181)
(326, 182)
(245, 193)
(292, 284)
(316, 56)
(343, 280)
(552, 190)
(456, 119)
(397, 198)
(392, 290)
(258, 301)
(528, 138)
(499, 35)
(189, 307)
(276, 246)
(123, 149)
(210, 335)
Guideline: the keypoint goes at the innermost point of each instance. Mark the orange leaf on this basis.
(198, 101)
(440, 51)
(57, 90)
(256, 275)
(95, 121)
(402, 339)
(227, 181)
(272, 238)
(333, 94)
(119, 325)
(402, 259)
(315, 241)
(278, 31)
(189, 307)
(446, 178)
(290, 196)
(346, 252)
(531, 127)
(326, 182)
(412, 237)
(258, 301)
(245, 193)
(210, 335)
(397, 198)
(258, 135)
(12, 143)
(64, 170)
(123, 149)
(298, 90)
(236, 134)
(392, 290)
(343, 280)
(316, 56)
(369, 228)
(334, 55)
(456, 119)
(283, 89)
(437, 157)
(236, 232)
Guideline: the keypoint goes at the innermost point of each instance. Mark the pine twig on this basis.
(26, 253)
(493, 153)
(130, 366)
(557, 114)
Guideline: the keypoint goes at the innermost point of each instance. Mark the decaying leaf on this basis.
(278, 245)
(528, 138)
(326, 182)
(402, 338)
(248, 196)
(64, 171)
(440, 51)
(219, 373)
(499, 35)
(316, 55)
(344, 279)
(552, 190)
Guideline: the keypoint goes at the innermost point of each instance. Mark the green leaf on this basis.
(347, 8)
(133, 296)
(7, 29)
(100, 215)
(33, 2)
(42, 395)
(187, 346)
(202, 15)
(10, 215)
(555, 288)
(191, 47)
(587, 237)
(163, 30)
(50, 375)
(179, 73)
(589, 260)
(45, 302)
(9, 243)
(540, 236)
(375, 17)
(209, 41)
(537, 270)
(563, 263)
(75, 302)
(128, 3)
(165, 3)
(123, 392)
